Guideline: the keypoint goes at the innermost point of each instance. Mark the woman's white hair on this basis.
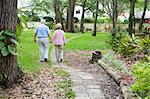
(43, 21)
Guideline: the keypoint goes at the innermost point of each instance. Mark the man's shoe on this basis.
(41, 62)
(45, 60)
(60, 60)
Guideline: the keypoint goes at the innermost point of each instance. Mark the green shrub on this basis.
(110, 59)
(128, 46)
(100, 20)
(115, 41)
(50, 25)
(48, 19)
(34, 18)
(126, 21)
(104, 20)
(144, 46)
(88, 20)
(141, 71)
(132, 45)
(76, 20)
(118, 21)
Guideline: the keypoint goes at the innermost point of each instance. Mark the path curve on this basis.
(84, 84)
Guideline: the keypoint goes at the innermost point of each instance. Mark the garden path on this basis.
(84, 84)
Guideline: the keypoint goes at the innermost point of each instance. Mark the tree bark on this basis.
(9, 69)
(114, 17)
(143, 15)
(70, 16)
(82, 18)
(95, 21)
(58, 15)
(57, 11)
(131, 17)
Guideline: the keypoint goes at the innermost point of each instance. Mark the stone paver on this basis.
(84, 84)
(82, 98)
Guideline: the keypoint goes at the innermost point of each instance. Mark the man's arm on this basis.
(34, 37)
(49, 35)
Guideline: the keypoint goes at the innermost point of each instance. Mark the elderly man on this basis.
(42, 32)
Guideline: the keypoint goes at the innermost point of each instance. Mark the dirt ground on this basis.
(80, 60)
(39, 86)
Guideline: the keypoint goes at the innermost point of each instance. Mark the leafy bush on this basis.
(88, 20)
(118, 21)
(76, 28)
(144, 45)
(76, 20)
(115, 41)
(48, 19)
(34, 18)
(50, 25)
(126, 21)
(5, 47)
(129, 45)
(141, 71)
(110, 59)
(104, 20)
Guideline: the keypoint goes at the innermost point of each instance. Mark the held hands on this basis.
(34, 40)
(51, 40)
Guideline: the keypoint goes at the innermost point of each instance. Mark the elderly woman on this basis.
(42, 32)
(59, 42)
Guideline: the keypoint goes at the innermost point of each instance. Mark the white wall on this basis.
(78, 13)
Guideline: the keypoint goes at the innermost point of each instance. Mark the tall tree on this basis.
(143, 15)
(131, 17)
(58, 15)
(9, 69)
(57, 11)
(108, 7)
(96, 15)
(86, 5)
(114, 17)
(70, 15)
(82, 17)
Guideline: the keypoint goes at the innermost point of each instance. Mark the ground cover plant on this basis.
(64, 86)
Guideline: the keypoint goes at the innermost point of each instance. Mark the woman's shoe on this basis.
(45, 60)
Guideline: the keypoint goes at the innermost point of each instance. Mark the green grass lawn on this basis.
(70, 35)
(87, 42)
(28, 52)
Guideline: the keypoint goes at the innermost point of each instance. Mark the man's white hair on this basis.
(43, 21)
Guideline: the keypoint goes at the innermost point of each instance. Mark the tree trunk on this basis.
(82, 18)
(143, 15)
(95, 21)
(131, 17)
(58, 15)
(114, 17)
(9, 70)
(70, 16)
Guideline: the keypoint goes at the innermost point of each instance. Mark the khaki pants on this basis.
(59, 52)
(44, 47)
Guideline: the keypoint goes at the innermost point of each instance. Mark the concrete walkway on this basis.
(84, 84)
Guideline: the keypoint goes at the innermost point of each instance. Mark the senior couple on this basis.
(42, 32)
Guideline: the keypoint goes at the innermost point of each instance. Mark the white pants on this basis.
(44, 47)
(59, 52)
